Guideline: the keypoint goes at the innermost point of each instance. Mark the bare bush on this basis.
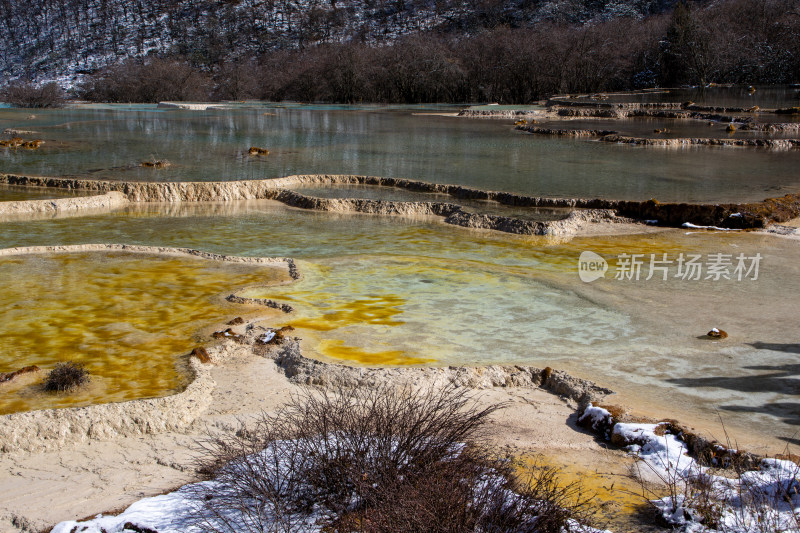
(377, 460)
(151, 80)
(66, 377)
(236, 81)
(29, 94)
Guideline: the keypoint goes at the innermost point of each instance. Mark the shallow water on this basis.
(11, 193)
(615, 493)
(386, 290)
(766, 97)
(111, 142)
(375, 192)
(437, 310)
(130, 318)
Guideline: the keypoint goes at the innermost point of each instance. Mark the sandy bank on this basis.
(191, 106)
(52, 429)
(159, 250)
(611, 136)
(745, 118)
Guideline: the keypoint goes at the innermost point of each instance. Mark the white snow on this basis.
(266, 337)
(169, 513)
(596, 414)
(716, 228)
(182, 511)
(759, 501)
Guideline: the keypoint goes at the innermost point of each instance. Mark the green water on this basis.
(111, 142)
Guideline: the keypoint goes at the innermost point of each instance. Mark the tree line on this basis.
(59, 38)
(735, 41)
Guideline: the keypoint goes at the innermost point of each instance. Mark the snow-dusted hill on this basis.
(65, 38)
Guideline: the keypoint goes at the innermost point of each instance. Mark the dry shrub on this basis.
(379, 459)
(66, 377)
(477, 491)
(28, 94)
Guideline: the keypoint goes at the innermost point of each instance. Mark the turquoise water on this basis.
(109, 142)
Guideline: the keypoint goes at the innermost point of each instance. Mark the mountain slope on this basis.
(62, 38)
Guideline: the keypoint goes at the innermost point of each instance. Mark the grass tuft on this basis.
(66, 377)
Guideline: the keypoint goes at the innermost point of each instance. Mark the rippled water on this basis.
(111, 142)
(130, 318)
(387, 290)
(384, 290)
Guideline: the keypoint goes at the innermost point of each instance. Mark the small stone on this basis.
(202, 354)
(224, 334)
(130, 526)
(156, 163)
(236, 321)
(255, 150)
(274, 336)
(266, 338)
(717, 334)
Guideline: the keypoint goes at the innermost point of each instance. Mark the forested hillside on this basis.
(393, 50)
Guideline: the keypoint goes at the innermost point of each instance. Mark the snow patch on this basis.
(767, 499)
(715, 228)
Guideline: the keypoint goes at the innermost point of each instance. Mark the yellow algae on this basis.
(377, 310)
(615, 492)
(336, 349)
(130, 318)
